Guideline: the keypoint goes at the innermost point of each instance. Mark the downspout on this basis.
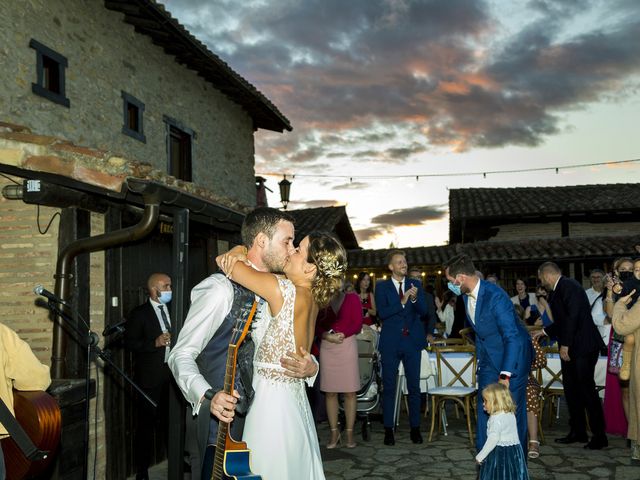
(92, 244)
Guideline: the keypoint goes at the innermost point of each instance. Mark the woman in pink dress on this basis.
(339, 371)
(616, 392)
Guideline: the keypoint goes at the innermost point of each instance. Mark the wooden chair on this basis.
(457, 389)
(552, 387)
(468, 336)
(444, 342)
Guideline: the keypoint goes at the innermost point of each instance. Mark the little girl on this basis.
(502, 450)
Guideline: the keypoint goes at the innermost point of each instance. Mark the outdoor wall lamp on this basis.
(285, 189)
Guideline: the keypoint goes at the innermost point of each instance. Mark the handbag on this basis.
(615, 357)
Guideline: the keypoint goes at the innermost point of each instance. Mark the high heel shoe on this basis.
(350, 444)
(336, 442)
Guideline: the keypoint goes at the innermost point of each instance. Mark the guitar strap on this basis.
(18, 435)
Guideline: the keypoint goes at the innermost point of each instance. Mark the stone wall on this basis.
(105, 57)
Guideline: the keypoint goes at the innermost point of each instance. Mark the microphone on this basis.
(40, 290)
(117, 328)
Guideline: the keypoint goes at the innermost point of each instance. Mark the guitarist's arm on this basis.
(19, 368)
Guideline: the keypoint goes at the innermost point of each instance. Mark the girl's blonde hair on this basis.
(497, 398)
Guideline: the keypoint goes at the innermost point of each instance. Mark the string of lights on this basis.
(450, 174)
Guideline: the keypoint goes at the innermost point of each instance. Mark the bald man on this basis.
(148, 337)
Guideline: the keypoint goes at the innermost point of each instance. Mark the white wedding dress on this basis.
(279, 429)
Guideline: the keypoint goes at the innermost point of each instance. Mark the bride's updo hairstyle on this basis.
(330, 258)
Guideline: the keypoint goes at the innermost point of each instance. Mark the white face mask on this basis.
(165, 297)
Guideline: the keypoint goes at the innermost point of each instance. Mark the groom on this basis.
(503, 346)
(198, 360)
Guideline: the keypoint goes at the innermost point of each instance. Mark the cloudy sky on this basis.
(394, 102)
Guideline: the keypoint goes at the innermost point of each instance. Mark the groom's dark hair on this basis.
(460, 263)
(262, 219)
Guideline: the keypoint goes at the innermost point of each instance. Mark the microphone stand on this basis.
(91, 341)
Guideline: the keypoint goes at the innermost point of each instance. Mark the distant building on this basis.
(511, 231)
(329, 219)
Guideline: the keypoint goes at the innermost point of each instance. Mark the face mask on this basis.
(454, 288)
(624, 276)
(165, 297)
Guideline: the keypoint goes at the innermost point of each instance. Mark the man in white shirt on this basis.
(595, 294)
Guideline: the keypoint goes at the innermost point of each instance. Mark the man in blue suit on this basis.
(401, 303)
(503, 345)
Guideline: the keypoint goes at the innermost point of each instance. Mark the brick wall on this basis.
(97, 312)
(28, 258)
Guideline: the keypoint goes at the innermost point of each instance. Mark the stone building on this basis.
(126, 147)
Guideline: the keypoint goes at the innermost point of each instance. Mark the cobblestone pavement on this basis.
(451, 457)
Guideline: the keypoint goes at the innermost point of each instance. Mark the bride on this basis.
(279, 427)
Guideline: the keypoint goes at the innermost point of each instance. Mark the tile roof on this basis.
(332, 219)
(537, 251)
(470, 203)
(149, 17)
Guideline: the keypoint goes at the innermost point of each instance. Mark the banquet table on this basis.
(429, 368)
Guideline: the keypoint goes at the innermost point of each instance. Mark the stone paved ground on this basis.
(451, 457)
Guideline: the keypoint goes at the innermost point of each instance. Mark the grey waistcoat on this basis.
(213, 359)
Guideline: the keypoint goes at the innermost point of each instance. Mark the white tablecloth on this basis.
(600, 374)
(428, 370)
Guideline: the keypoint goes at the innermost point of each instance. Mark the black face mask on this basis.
(624, 276)
(629, 286)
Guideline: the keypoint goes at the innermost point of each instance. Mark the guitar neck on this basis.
(223, 427)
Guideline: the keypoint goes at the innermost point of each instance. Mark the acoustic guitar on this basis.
(231, 460)
(39, 415)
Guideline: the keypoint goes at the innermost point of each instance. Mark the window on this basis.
(132, 117)
(50, 74)
(179, 146)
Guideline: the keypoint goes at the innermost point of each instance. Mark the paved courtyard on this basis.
(451, 457)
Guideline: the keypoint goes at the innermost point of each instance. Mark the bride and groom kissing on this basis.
(279, 423)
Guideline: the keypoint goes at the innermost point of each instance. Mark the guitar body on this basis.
(237, 464)
(39, 415)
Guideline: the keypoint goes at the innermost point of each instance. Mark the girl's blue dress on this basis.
(502, 456)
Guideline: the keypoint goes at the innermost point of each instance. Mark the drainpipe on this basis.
(63, 275)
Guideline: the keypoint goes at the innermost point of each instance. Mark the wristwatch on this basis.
(505, 376)
(209, 394)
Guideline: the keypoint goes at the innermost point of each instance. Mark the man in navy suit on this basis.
(580, 345)
(503, 346)
(401, 304)
(148, 336)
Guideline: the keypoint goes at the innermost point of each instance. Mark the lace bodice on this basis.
(278, 338)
